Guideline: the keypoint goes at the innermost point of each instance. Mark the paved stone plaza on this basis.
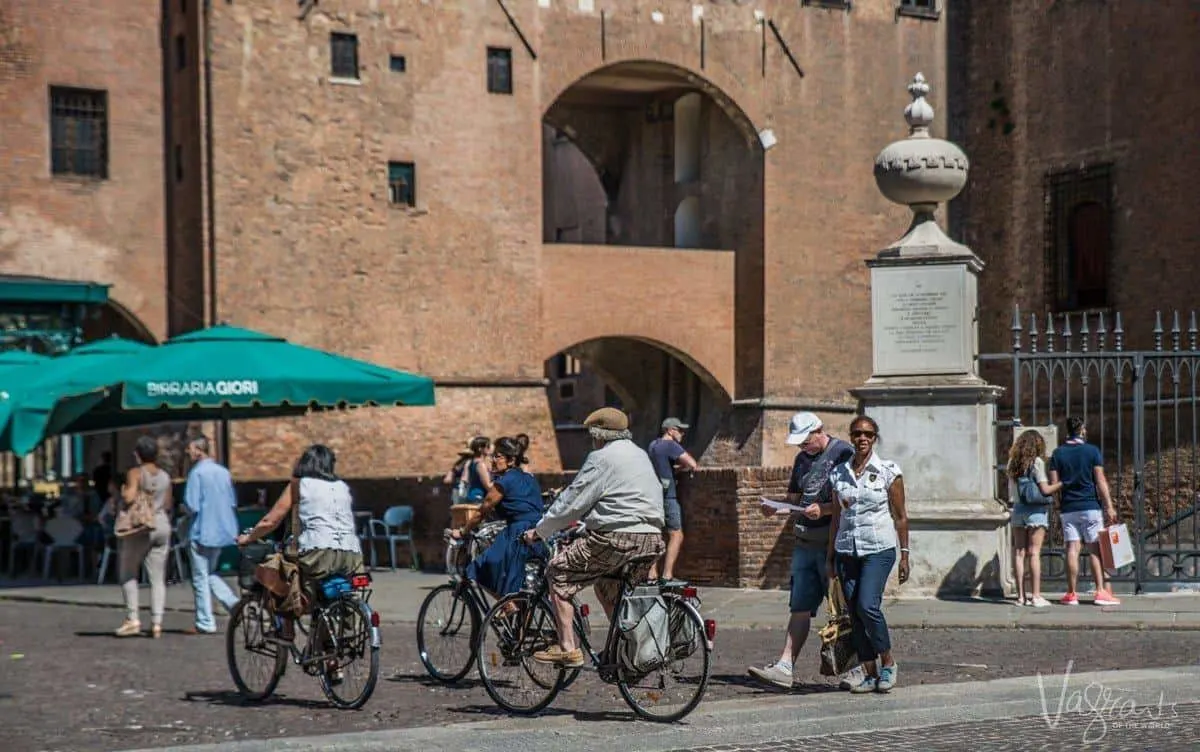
(65, 684)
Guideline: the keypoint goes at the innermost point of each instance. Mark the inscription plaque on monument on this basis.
(921, 319)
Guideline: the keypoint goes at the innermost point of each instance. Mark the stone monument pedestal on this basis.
(936, 415)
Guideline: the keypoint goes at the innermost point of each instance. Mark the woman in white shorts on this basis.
(1030, 517)
(1080, 467)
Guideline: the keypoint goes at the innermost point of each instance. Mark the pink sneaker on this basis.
(1106, 598)
(1070, 599)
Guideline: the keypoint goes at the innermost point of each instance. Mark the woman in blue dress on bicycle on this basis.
(516, 497)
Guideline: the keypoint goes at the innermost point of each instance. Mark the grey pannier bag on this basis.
(645, 625)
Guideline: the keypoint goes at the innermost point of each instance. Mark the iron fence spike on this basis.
(1158, 330)
(1175, 330)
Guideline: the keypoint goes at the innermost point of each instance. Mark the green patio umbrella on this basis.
(31, 392)
(220, 373)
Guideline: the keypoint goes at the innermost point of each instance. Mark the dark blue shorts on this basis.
(810, 579)
(673, 513)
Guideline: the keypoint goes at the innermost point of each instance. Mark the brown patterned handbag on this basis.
(138, 515)
(838, 654)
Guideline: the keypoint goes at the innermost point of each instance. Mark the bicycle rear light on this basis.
(584, 610)
(688, 592)
(710, 629)
(375, 619)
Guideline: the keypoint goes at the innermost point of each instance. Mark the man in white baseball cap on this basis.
(809, 489)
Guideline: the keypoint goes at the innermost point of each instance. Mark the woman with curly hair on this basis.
(1030, 514)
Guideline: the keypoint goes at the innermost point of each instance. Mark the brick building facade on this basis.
(676, 194)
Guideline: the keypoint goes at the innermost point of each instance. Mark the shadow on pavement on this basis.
(579, 715)
(749, 682)
(232, 698)
(145, 634)
(428, 681)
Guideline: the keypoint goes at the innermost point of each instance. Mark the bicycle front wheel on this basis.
(256, 659)
(447, 631)
(672, 690)
(513, 630)
(348, 641)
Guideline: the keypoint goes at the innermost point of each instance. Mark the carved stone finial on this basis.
(919, 113)
(920, 171)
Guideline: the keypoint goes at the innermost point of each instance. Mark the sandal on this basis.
(129, 628)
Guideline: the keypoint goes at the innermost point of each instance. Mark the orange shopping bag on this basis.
(1116, 547)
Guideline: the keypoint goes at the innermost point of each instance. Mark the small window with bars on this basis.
(1078, 237)
(402, 184)
(919, 8)
(343, 54)
(499, 70)
(78, 132)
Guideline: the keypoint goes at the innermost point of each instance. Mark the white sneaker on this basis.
(773, 674)
(852, 678)
(1039, 602)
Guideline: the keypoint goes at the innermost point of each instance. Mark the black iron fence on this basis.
(1140, 407)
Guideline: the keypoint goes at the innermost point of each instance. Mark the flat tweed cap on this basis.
(608, 418)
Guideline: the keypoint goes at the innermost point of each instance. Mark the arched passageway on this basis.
(646, 379)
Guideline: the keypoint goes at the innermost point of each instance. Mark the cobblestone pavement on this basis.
(1175, 731)
(66, 684)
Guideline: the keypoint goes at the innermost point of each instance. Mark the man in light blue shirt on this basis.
(212, 502)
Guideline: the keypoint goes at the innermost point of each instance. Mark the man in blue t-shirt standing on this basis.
(809, 488)
(1080, 467)
(667, 455)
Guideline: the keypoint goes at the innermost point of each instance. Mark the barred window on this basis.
(1079, 240)
(402, 183)
(343, 50)
(499, 70)
(78, 132)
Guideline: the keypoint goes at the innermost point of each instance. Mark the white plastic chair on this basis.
(24, 537)
(64, 531)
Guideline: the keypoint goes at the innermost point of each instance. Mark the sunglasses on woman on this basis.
(862, 434)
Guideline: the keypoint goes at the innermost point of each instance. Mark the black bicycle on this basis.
(448, 623)
(662, 674)
(341, 649)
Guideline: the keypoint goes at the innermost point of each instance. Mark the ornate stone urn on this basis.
(921, 172)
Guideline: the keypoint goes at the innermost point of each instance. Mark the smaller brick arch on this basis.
(129, 324)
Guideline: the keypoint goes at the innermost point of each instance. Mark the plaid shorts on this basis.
(597, 558)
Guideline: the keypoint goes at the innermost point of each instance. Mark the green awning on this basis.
(221, 373)
(20, 288)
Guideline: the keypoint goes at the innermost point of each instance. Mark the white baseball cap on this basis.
(801, 426)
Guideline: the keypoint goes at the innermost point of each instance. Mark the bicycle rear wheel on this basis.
(513, 630)
(347, 638)
(674, 689)
(256, 661)
(447, 631)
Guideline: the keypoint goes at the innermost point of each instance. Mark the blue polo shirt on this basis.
(1075, 463)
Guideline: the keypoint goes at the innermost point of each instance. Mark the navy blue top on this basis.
(475, 489)
(522, 496)
(663, 454)
(810, 476)
(1075, 464)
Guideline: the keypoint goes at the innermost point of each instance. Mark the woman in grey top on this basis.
(148, 546)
